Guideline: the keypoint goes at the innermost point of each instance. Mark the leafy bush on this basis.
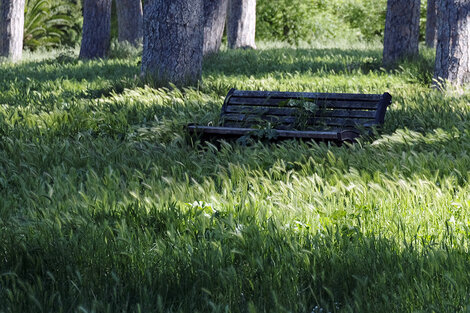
(284, 20)
(367, 16)
(298, 20)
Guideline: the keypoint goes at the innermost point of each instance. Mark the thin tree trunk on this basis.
(96, 29)
(453, 46)
(241, 24)
(401, 35)
(431, 23)
(215, 13)
(173, 40)
(11, 29)
(130, 17)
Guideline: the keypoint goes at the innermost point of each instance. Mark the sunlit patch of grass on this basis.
(107, 204)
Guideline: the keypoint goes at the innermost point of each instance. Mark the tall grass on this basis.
(107, 205)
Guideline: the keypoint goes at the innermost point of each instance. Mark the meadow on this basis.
(107, 205)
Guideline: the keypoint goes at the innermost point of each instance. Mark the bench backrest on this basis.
(303, 110)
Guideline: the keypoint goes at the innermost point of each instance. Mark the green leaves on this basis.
(48, 23)
(294, 21)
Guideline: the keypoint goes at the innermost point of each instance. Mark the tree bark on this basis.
(215, 13)
(173, 40)
(431, 24)
(241, 24)
(11, 29)
(96, 29)
(130, 17)
(401, 35)
(453, 46)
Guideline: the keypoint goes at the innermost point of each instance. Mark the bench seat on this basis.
(283, 115)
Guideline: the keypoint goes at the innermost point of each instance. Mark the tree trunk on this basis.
(431, 23)
(130, 16)
(241, 24)
(96, 29)
(453, 46)
(11, 29)
(401, 35)
(215, 12)
(173, 40)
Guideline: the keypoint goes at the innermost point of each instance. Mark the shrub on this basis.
(367, 16)
(298, 20)
(293, 21)
(285, 20)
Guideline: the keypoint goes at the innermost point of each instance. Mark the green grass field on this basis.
(107, 205)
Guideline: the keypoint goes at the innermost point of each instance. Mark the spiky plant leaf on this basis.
(46, 23)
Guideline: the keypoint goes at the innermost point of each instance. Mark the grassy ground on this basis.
(106, 204)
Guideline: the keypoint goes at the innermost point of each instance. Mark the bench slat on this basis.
(246, 120)
(293, 111)
(240, 131)
(329, 103)
(306, 95)
(340, 135)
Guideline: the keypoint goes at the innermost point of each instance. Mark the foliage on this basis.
(366, 16)
(296, 20)
(284, 20)
(306, 20)
(50, 23)
(107, 205)
(54, 22)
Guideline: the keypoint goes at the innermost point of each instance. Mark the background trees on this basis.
(241, 24)
(215, 13)
(453, 46)
(173, 41)
(401, 36)
(431, 23)
(11, 29)
(50, 23)
(130, 17)
(96, 29)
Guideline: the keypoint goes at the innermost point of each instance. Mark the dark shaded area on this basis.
(424, 119)
(257, 63)
(44, 76)
(339, 269)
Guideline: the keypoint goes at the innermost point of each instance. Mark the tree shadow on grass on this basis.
(258, 63)
(48, 81)
(427, 128)
(425, 117)
(175, 261)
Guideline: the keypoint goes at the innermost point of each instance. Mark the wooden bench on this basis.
(281, 115)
